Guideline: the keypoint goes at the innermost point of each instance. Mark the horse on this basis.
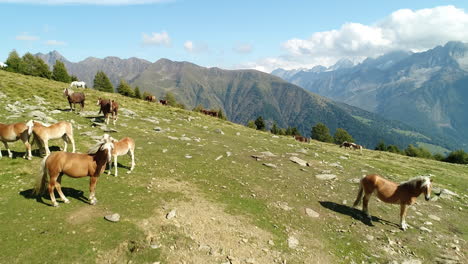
(301, 139)
(210, 112)
(74, 98)
(121, 147)
(356, 146)
(163, 102)
(108, 107)
(42, 134)
(78, 84)
(3, 65)
(75, 165)
(150, 98)
(13, 132)
(404, 193)
(346, 144)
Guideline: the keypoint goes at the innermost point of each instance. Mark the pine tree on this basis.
(43, 69)
(14, 62)
(137, 93)
(125, 89)
(221, 114)
(341, 136)
(274, 128)
(102, 82)
(321, 132)
(251, 124)
(73, 78)
(29, 65)
(381, 146)
(170, 98)
(59, 73)
(260, 123)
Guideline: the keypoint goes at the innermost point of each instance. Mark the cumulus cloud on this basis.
(404, 29)
(158, 39)
(243, 48)
(55, 43)
(191, 47)
(26, 37)
(85, 2)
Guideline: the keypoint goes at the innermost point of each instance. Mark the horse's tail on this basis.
(42, 178)
(359, 196)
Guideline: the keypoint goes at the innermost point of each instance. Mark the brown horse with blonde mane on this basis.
(121, 147)
(404, 193)
(14, 132)
(75, 165)
(42, 135)
(108, 107)
(74, 98)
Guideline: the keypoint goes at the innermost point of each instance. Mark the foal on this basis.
(124, 146)
(75, 165)
(13, 132)
(107, 107)
(42, 135)
(404, 193)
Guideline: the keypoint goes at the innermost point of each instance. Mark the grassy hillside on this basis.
(230, 208)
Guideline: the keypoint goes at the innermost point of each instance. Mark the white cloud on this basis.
(55, 43)
(243, 48)
(157, 39)
(26, 37)
(404, 29)
(85, 2)
(191, 47)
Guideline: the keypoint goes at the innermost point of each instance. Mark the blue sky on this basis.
(230, 34)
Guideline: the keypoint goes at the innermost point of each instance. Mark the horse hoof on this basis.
(55, 205)
(93, 202)
(66, 201)
(128, 172)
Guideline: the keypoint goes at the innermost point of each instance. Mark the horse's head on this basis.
(99, 101)
(65, 92)
(426, 187)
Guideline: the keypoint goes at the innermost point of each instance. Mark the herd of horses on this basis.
(94, 162)
(152, 99)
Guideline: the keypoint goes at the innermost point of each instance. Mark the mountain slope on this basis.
(246, 94)
(426, 90)
(228, 206)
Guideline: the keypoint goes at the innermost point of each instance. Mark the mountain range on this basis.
(246, 94)
(427, 90)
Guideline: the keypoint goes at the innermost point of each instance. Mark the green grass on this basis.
(239, 185)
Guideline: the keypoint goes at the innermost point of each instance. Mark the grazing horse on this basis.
(356, 146)
(42, 135)
(301, 139)
(13, 132)
(107, 107)
(210, 112)
(78, 84)
(75, 165)
(163, 102)
(74, 98)
(3, 65)
(346, 144)
(150, 98)
(404, 193)
(121, 147)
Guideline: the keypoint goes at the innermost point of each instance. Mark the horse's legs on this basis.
(10, 155)
(107, 119)
(92, 188)
(25, 139)
(46, 147)
(365, 203)
(65, 144)
(52, 184)
(110, 167)
(132, 154)
(403, 209)
(114, 119)
(59, 189)
(115, 165)
(72, 140)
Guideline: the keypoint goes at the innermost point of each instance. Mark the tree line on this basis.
(321, 132)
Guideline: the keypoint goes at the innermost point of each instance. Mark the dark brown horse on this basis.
(75, 165)
(108, 107)
(163, 102)
(210, 112)
(404, 193)
(74, 98)
(301, 139)
(150, 98)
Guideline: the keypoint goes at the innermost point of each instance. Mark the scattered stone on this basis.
(293, 242)
(185, 139)
(411, 261)
(325, 176)
(127, 112)
(2, 95)
(164, 150)
(369, 237)
(173, 138)
(428, 223)
(188, 156)
(303, 151)
(433, 217)
(56, 112)
(270, 165)
(336, 164)
(271, 243)
(343, 157)
(237, 134)
(171, 214)
(219, 157)
(425, 229)
(298, 161)
(228, 154)
(275, 136)
(267, 154)
(108, 129)
(112, 217)
(311, 213)
(316, 155)
(219, 131)
(39, 99)
(157, 129)
(284, 206)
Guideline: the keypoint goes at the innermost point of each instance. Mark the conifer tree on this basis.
(321, 132)
(260, 123)
(102, 82)
(14, 62)
(59, 73)
(341, 136)
(170, 98)
(125, 89)
(137, 93)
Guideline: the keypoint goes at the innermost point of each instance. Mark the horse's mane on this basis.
(99, 146)
(425, 180)
(70, 91)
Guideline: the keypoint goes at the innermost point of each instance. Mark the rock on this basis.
(336, 165)
(298, 161)
(237, 134)
(411, 261)
(108, 129)
(293, 242)
(444, 193)
(188, 156)
(325, 176)
(270, 165)
(157, 129)
(422, 228)
(284, 206)
(171, 214)
(343, 157)
(39, 99)
(267, 154)
(228, 154)
(127, 112)
(219, 157)
(311, 213)
(275, 136)
(173, 138)
(164, 150)
(369, 237)
(112, 217)
(2, 95)
(219, 131)
(185, 139)
(303, 151)
(433, 217)
(55, 112)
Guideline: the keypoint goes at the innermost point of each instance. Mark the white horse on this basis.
(78, 84)
(3, 65)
